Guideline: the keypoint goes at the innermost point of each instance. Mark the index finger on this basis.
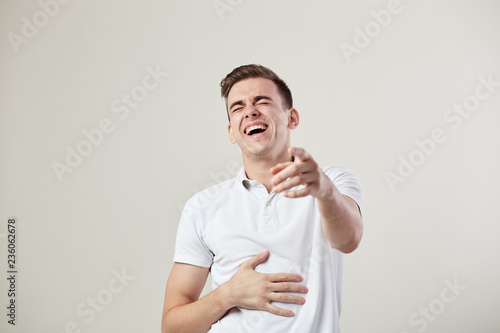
(285, 277)
(279, 167)
(300, 153)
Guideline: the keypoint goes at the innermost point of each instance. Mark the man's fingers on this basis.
(278, 311)
(256, 259)
(287, 170)
(305, 178)
(279, 167)
(290, 287)
(300, 153)
(284, 277)
(260, 290)
(290, 171)
(285, 298)
(298, 193)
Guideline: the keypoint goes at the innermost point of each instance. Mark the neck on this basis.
(258, 167)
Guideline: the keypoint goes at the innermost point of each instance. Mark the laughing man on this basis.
(273, 237)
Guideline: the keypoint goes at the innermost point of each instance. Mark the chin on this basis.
(259, 152)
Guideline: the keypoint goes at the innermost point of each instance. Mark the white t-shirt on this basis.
(227, 224)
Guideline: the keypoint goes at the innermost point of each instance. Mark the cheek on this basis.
(281, 122)
(234, 129)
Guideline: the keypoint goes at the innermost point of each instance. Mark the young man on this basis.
(273, 237)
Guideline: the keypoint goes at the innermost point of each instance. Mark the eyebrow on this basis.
(258, 98)
(235, 103)
(255, 99)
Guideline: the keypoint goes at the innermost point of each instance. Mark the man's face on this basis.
(257, 120)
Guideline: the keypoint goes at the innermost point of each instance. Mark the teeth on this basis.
(254, 127)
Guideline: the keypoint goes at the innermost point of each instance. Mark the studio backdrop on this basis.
(111, 118)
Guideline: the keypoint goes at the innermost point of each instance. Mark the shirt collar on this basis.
(241, 178)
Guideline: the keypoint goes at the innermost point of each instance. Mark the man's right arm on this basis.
(184, 312)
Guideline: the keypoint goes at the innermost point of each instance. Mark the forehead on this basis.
(252, 87)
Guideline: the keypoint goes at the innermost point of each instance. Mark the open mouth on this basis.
(255, 129)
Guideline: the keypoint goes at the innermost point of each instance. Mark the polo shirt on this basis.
(228, 223)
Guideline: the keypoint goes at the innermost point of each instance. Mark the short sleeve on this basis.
(189, 245)
(346, 182)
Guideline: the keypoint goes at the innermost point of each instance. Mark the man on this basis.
(272, 237)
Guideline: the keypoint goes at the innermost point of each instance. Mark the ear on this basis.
(293, 119)
(231, 134)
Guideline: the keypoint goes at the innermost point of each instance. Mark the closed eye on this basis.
(236, 106)
(262, 100)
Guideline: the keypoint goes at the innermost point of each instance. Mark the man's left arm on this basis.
(340, 215)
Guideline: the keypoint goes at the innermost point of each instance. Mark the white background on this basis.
(117, 211)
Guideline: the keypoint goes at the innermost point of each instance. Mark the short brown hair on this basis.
(254, 71)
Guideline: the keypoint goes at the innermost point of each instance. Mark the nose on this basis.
(251, 111)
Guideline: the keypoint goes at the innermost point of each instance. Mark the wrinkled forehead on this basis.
(248, 89)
